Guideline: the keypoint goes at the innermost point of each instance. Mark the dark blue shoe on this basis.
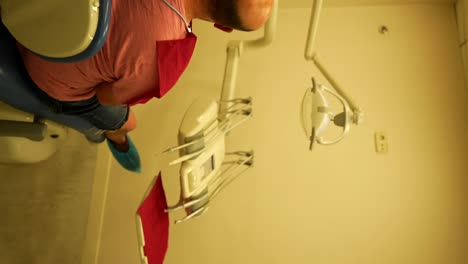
(130, 160)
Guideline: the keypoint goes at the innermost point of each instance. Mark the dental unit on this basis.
(315, 100)
(205, 166)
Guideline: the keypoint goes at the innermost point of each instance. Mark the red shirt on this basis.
(126, 66)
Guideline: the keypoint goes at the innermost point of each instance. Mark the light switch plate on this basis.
(381, 143)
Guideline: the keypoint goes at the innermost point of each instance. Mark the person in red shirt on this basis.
(149, 45)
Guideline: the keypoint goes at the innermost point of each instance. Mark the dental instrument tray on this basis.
(206, 168)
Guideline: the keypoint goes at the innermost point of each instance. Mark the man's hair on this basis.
(226, 13)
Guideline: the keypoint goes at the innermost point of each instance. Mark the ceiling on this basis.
(308, 3)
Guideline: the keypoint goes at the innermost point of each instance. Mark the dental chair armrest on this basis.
(32, 131)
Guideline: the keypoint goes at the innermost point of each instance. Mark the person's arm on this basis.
(105, 94)
(129, 82)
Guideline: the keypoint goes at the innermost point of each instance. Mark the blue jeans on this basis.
(105, 117)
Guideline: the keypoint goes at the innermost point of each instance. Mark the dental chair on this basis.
(29, 131)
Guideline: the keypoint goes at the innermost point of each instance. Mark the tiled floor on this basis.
(44, 207)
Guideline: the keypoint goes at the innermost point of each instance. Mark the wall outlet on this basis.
(381, 143)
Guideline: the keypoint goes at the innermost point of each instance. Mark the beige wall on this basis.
(339, 204)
